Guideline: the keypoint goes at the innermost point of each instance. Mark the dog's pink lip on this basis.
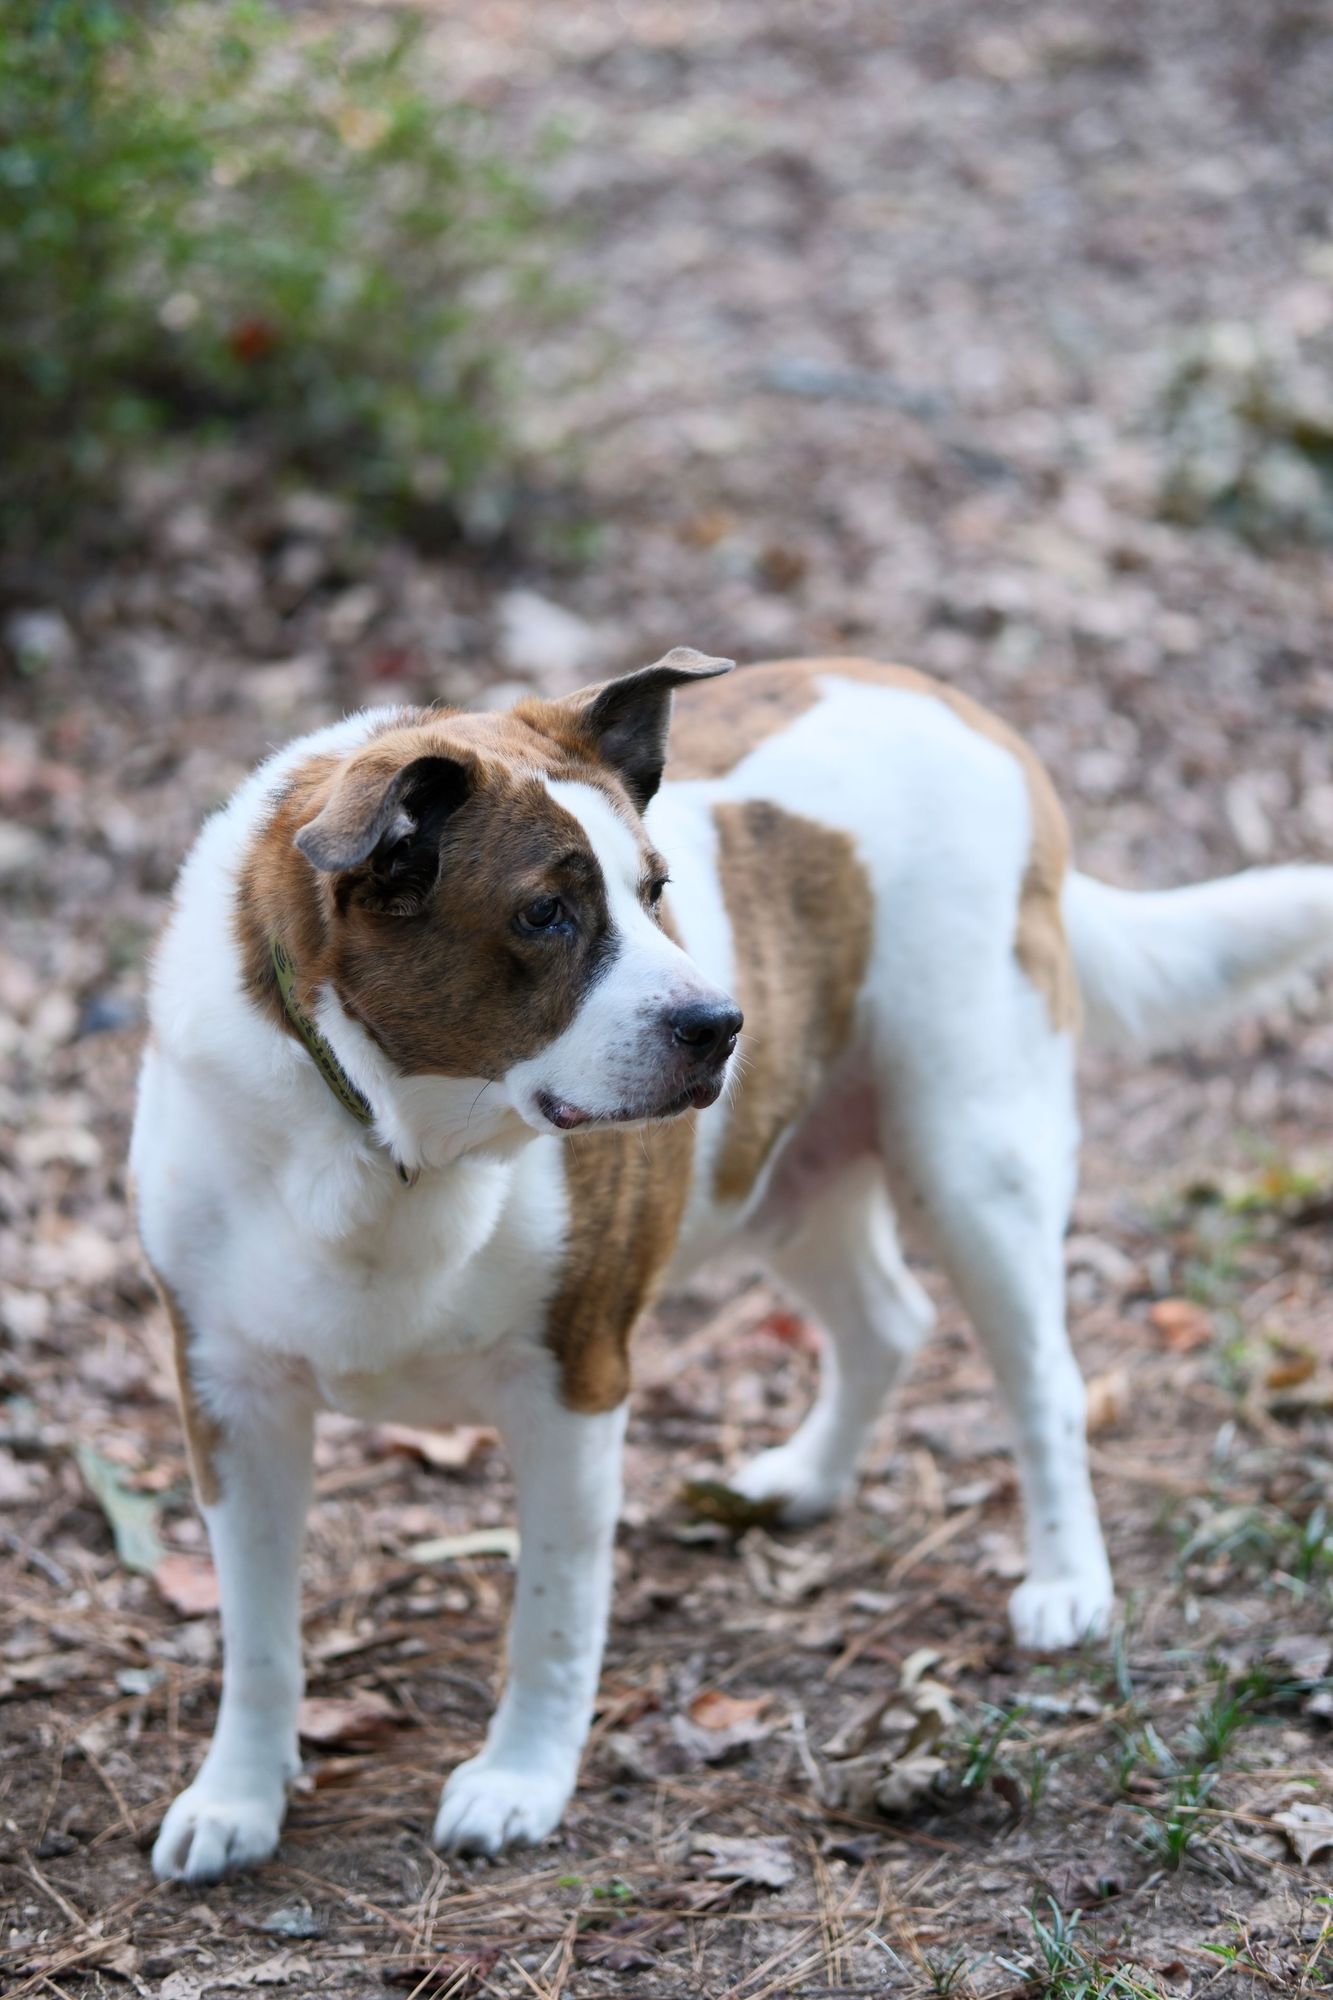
(559, 1113)
(568, 1117)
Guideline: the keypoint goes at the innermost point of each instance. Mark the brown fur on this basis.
(716, 726)
(800, 911)
(448, 988)
(203, 1435)
(627, 1192)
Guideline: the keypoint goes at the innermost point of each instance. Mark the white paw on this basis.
(211, 1830)
(807, 1492)
(1052, 1616)
(487, 1806)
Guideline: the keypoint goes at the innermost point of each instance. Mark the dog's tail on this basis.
(1158, 966)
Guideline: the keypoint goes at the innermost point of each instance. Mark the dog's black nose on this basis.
(707, 1028)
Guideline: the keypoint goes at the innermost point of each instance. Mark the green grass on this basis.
(1058, 1968)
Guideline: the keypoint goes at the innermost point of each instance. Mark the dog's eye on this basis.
(547, 913)
(655, 890)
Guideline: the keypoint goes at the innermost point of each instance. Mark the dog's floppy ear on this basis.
(628, 720)
(387, 819)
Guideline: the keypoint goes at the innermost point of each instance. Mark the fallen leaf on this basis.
(456, 1973)
(188, 1583)
(293, 1920)
(447, 1451)
(710, 1500)
(1309, 1830)
(791, 1329)
(1182, 1324)
(712, 1709)
(1308, 1654)
(766, 1862)
(885, 1758)
(180, 1986)
(1108, 1400)
(716, 1726)
(1290, 1372)
(779, 1574)
(619, 1947)
(353, 1719)
(279, 1969)
(132, 1516)
(480, 1542)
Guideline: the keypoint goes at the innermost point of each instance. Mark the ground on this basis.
(879, 304)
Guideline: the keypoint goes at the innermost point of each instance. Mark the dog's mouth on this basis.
(567, 1117)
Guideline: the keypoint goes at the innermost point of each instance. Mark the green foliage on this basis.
(1248, 422)
(1058, 1968)
(214, 214)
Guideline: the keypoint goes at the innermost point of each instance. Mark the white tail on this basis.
(1156, 966)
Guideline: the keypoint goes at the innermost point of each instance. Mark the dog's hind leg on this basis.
(845, 1263)
(985, 1138)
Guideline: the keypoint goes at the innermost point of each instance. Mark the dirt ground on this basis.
(880, 303)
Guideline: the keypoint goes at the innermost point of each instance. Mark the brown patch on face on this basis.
(429, 953)
(800, 908)
(627, 1192)
(203, 1435)
(717, 725)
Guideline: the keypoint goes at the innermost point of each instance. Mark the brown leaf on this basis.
(766, 1862)
(1309, 1830)
(446, 1451)
(1290, 1372)
(710, 1500)
(620, 1946)
(1182, 1324)
(791, 1329)
(717, 1726)
(354, 1719)
(1108, 1400)
(712, 1709)
(457, 1973)
(188, 1583)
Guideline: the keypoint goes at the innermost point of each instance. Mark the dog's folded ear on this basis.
(628, 720)
(386, 818)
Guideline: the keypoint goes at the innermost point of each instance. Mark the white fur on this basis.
(607, 1061)
(313, 1278)
(1155, 967)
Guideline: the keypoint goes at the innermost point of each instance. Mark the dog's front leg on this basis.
(567, 1473)
(256, 1495)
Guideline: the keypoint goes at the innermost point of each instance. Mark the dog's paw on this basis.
(488, 1806)
(1065, 1612)
(808, 1492)
(209, 1831)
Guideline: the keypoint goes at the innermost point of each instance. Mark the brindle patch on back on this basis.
(627, 1192)
(203, 1435)
(717, 725)
(801, 911)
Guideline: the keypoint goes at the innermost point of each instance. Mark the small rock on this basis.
(40, 640)
(20, 850)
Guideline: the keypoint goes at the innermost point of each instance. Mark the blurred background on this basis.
(352, 356)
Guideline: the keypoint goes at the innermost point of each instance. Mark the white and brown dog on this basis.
(439, 1092)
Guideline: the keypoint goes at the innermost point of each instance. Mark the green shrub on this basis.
(1248, 435)
(215, 214)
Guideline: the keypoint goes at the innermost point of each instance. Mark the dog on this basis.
(442, 1085)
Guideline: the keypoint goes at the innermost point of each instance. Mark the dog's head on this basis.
(492, 905)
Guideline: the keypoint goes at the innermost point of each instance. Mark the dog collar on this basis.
(326, 1062)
